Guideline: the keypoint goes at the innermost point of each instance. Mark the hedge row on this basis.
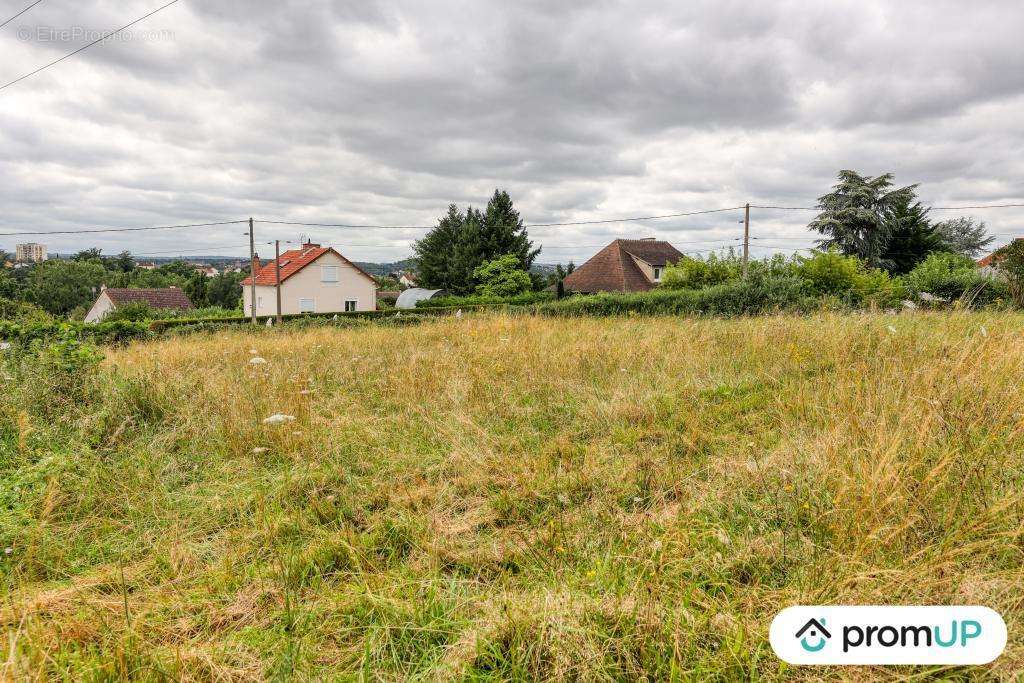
(734, 298)
(162, 325)
(101, 333)
(476, 300)
(121, 331)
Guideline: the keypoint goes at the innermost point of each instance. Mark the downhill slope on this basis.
(508, 497)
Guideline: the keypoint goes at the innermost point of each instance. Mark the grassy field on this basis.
(509, 497)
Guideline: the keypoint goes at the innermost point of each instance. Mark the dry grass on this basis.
(511, 497)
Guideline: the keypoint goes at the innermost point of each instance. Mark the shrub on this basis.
(21, 311)
(57, 372)
(755, 295)
(1010, 260)
(696, 273)
(501, 277)
(476, 300)
(134, 311)
(25, 333)
(953, 277)
(829, 273)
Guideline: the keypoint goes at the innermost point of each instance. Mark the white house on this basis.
(314, 279)
(109, 300)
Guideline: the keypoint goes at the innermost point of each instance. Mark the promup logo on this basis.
(817, 630)
(888, 635)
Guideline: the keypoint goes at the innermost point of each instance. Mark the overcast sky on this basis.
(369, 112)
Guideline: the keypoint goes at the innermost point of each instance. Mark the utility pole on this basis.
(746, 239)
(253, 268)
(277, 270)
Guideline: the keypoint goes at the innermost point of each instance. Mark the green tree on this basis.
(178, 267)
(122, 262)
(502, 232)
(225, 291)
(59, 286)
(911, 236)
(196, 290)
(436, 253)
(855, 216)
(92, 254)
(502, 277)
(449, 254)
(8, 285)
(965, 236)
(1010, 262)
(561, 272)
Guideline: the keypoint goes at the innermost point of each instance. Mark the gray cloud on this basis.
(374, 112)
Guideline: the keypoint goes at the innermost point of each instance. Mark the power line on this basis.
(933, 208)
(785, 208)
(430, 227)
(96, 230)
(199, 251)
(526, 225)
(637, 218)
(20, 13)
(349, 225)
(982, 206)
(605, 244)
(86, 46)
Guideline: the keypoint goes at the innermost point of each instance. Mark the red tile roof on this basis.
(172, 297)
(293, 261)
(613, 269)
(990, 259)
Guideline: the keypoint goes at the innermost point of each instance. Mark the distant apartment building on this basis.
(30, 252)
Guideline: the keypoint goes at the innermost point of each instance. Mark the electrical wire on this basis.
(526, 225)
(98, 230)
(933, 208)
(86, 46)
(430, 227)
(605, 244)
(202, 249)
(637, 218)
(982, 206)
(349, 225)
(20, 13)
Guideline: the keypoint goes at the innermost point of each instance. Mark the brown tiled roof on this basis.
(613, 269)
(172, 297)
(294, 260)
(990, 259)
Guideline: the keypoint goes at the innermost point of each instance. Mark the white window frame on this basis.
(658, 270)
(323, 274)
(312, 305)
(355, 305)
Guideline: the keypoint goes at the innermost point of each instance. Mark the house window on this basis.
(350, 305)
(657, 273)
(328, 273)
(306, 306)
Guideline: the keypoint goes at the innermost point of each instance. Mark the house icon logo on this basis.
(814, 630)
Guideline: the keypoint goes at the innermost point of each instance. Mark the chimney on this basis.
(255, 264)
